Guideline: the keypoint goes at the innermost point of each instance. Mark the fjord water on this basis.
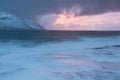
(59, 55)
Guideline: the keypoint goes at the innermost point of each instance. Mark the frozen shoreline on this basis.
(76, 59)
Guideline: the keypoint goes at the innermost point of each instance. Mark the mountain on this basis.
(10, 22)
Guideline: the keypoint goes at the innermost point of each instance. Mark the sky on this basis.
(67, 14)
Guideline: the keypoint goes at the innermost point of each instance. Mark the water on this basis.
(59, 55)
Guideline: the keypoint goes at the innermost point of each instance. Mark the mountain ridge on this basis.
(11, 22)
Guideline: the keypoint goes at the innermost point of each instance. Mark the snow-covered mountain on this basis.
(10, 22)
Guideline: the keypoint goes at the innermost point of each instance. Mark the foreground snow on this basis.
(79, 59)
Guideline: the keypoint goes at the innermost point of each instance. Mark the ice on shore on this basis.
(87, 59)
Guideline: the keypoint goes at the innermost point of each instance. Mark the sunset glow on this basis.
(67, 14)
(66, 21)
(87, 21)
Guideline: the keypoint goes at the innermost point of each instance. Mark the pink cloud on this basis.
(66, 21)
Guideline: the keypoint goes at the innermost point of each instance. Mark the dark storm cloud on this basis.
(34, 7)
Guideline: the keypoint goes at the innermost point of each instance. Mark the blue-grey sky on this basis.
(67, 14)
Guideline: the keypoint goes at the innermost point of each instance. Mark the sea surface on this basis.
(59, 55)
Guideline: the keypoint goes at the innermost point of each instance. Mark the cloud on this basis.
(108, 21)
(32, 8)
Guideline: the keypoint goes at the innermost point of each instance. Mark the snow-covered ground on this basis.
(77, 59)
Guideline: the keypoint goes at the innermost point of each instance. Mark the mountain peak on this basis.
(11, 22)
